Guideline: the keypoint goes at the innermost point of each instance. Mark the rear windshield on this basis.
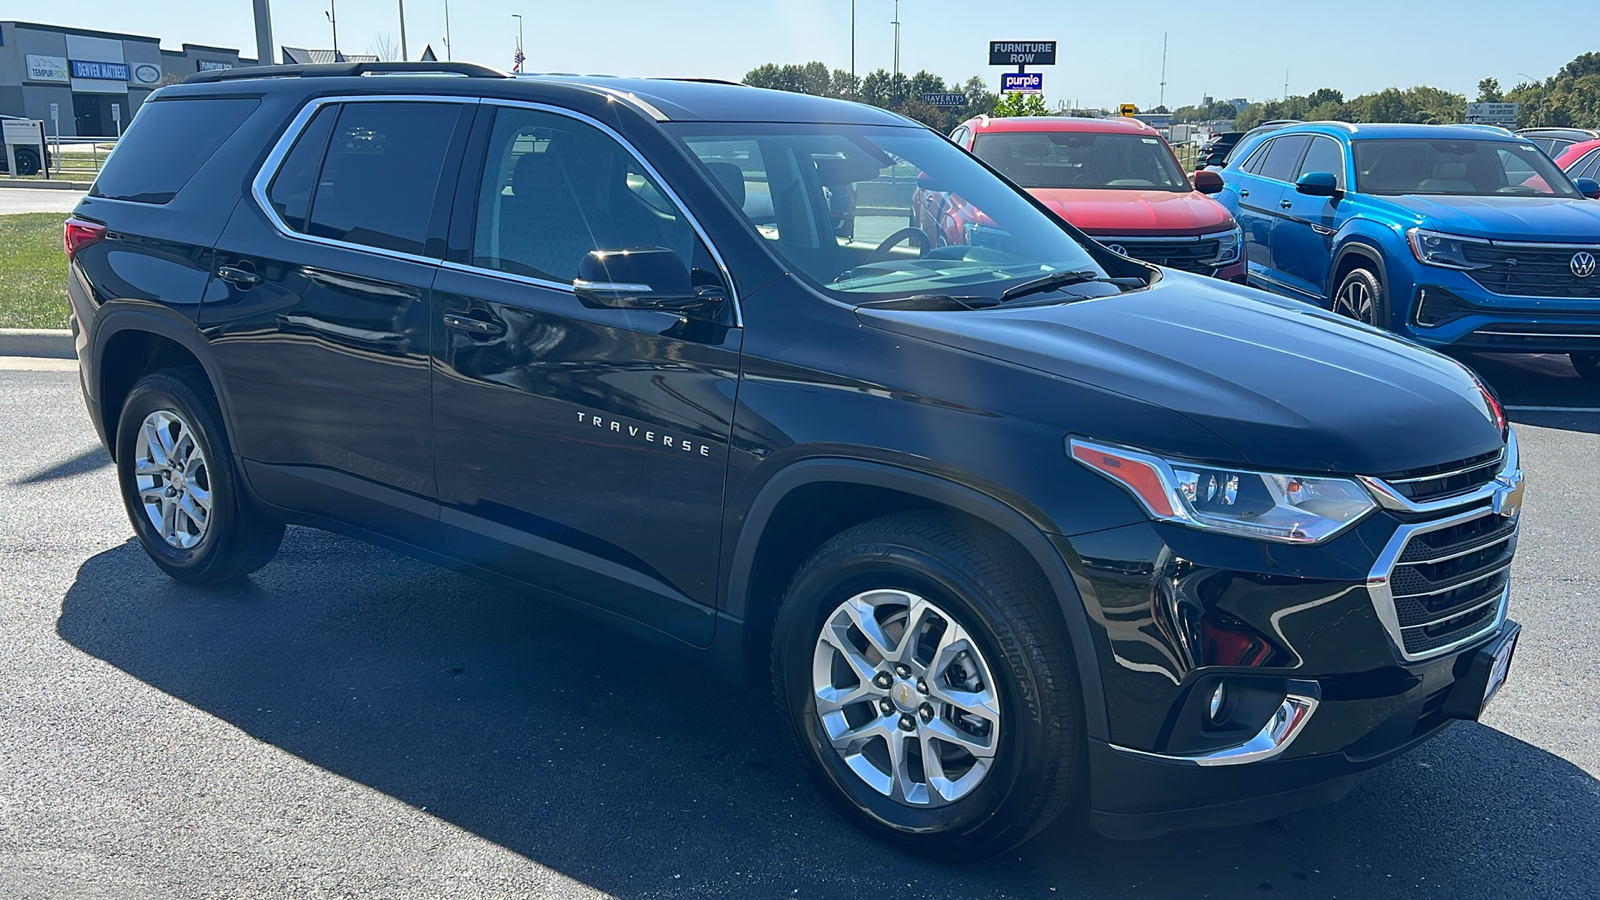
(167, 142)
(1072, 159)
(1463, 168)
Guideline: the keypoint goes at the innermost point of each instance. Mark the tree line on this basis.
(1570, 98)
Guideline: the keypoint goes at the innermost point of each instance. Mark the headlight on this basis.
(1228, 244)
(1435, 249)
(1294, 509)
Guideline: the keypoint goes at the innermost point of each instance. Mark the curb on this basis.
(54, 184)
(49, 343)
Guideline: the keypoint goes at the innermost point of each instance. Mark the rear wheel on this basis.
(1360, 296)
(27, 162)
(928, 687)
(1587, 364)
(179, 484)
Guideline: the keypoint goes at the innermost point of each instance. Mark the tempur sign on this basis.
(47, 68)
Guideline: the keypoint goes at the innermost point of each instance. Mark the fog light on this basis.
(1217, 696)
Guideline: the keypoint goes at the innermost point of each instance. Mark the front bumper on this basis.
(1448, 308)
(1136, 795)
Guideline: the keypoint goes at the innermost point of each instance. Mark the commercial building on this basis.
(95, 79)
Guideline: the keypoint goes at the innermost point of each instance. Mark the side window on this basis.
(380, 177)
(1253, 164)
(167, 142)
(290, 191)
(959, 136)
(1594, 166)
(739, 169)
(1517, 170)
(1283, 158)
(1324, 155)
(554, 188)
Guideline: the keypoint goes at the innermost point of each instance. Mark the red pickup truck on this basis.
(1115, 179)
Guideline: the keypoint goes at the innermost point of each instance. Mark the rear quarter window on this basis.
(167, 142)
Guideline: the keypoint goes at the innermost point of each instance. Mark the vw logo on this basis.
(1582, 264)
(1118, 248)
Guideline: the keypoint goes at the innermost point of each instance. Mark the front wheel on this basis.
(180, 486)
(928, 686)
(1587, 364)
(1360, 296)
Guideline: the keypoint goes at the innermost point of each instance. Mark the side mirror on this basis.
(1588, 187)
(1208, 182)
(1317, 184)
(641, 278)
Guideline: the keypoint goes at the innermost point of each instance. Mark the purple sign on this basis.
(1021, 82)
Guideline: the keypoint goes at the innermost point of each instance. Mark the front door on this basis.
(319, 315)
(1303, 237)
(581, 450)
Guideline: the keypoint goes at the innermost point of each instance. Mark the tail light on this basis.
(80, 233)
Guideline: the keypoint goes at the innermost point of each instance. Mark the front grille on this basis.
(1190, 256)
(1447, 479)
(1448, 584)
(1531, 271)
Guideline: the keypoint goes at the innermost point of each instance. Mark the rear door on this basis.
(1262, 202)
(319, 312)
(1302, 238)
(581, 450)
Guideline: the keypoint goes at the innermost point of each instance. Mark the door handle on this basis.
(474, 326)
(1286, 204)
(238, 276)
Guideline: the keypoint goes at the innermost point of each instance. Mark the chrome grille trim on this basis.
(1390, 498)
(1379, 586)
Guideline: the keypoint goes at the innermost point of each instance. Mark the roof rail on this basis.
(340, 70)
(1336, 123)
(703, 81)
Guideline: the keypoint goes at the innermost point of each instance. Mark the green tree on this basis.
(1489, 91)
(1019, 104)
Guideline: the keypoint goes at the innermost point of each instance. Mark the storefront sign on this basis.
(103, 71)
(1022, 53)
(47, 68)
(206, 65)
(146, 73)
(1021, 82)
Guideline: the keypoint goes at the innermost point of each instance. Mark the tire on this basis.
(1361, 296)
(1587, 364)
(965, 587)
(185, 429)
(27, 162)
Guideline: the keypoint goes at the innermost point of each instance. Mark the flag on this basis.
(516, 60)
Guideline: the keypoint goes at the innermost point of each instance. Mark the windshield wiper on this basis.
(1048, 283)
(931, 302)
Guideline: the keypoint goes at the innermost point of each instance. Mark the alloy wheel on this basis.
(173, 480)
(906, 698)
(1355, 301)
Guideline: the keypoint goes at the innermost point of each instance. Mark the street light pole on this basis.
(404, 56)
(518, 17)
(333, 19)
(265, 56)
(896, 40)
(853, 82)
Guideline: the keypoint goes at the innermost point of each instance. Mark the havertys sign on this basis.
(1022, 53)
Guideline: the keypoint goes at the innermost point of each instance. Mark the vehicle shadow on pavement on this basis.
(83, 463)
(626, 768)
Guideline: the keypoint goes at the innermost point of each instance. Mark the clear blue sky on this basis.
(1110, 51)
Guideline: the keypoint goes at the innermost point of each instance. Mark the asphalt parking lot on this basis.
(350, 723)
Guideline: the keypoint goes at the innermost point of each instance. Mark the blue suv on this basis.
(1457, 235)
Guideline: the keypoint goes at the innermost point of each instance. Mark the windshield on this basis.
(1072, 159)
(872, 212)
(1462, 168)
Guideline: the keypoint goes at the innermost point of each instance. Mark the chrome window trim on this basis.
(274, 160)
(1281, 728)
(269, 169)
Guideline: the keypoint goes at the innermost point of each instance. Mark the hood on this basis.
(1111, 212)
(1506, 218)
(1291, 387)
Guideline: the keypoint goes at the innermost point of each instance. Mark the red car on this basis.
(1115, 179)
(1581, 160)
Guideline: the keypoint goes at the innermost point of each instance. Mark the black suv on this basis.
(1012, 524)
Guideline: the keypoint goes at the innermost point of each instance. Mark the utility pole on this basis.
(1285, 84)
(897, 40)
(448, 52)
(1163, 100)
(264, 52)
(404, 56)
(333, 19)
(853, 81)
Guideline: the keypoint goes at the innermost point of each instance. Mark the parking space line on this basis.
(1561, 409)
